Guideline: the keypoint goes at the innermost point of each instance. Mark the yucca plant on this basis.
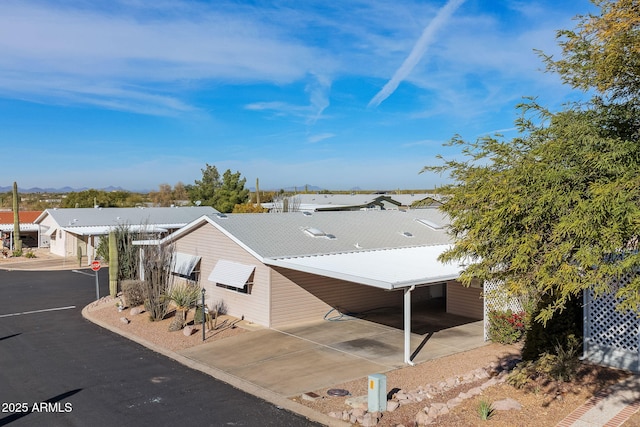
(485, 410)
(184, 296)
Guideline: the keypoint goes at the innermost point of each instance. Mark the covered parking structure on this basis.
(400, 269)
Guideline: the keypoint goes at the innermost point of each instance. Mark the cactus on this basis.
(79, 255)
(17, 243)
(113, 264)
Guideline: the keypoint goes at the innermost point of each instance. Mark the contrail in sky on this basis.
(417, 52)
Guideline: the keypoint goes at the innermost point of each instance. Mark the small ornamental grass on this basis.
(485, 410)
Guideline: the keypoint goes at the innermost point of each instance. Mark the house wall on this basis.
(212, 245)
(464, 301)
(58, 240)
(299, 297)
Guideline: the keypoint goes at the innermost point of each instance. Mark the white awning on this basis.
(184, 264)
(231, 273)
(50, 231)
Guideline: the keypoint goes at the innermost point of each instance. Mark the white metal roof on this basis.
(23, 227)
(387, 269)
(99, 230)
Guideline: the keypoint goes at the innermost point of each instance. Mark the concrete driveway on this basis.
(306, 357)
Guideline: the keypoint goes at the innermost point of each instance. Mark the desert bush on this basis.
(562, 365)
(17, 253)
(506, 327)
(158, 280)
(30, 254)
(133, 291)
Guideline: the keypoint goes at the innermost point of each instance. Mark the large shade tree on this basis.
(556, 210)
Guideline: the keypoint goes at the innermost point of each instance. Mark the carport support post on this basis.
(407, 325)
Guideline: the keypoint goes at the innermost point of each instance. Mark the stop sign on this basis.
(95, 265)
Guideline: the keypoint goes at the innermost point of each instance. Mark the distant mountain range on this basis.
(58, 190)
(301, 188)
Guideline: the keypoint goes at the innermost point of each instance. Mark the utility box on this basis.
(377, 395)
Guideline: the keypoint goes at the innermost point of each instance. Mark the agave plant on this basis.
(184, 296)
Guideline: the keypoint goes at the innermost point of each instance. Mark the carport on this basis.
(395, 269)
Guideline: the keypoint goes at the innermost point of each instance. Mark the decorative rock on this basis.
(506, 405)
(358, 412)
(136, 310)
(422, 419)
(187, 331)
(370, 419)
(337, 415)
(310, 396)
(124, 320)
(392, 405)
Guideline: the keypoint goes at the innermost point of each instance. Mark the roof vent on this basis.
(221, 215)
(407, 234)
(306, 213)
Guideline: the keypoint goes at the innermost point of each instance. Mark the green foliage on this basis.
(555, 210)
(113, 264)
(29, 254)
(506, 327)
(543, 338)
(158, 280)
(560, 365)
(133, 292)
(105, 199)
(603, 51)
(485, 410)
(17, 253)
(128, 254)
(102, 251)
(221, 193)
(184, 295)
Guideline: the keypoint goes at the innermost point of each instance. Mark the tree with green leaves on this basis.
(556, 210)
(203, 191)
(231, 192)
(221, 193)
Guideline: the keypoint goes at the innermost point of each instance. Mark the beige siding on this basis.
(212, 245)
(464, 301)
(298, 296)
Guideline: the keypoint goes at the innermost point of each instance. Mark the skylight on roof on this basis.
(430, 224)
(316, 232)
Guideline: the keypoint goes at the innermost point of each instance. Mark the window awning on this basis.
(50, 231)
(231, 273)
(184, 264)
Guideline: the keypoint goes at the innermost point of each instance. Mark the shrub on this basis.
(506, 327)
(133, 291)
(17, 253)
(562, 365)
(30, 254)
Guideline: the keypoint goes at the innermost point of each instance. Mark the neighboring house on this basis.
(355, 202)
(66, 231)
(28, 230)
(274, 269)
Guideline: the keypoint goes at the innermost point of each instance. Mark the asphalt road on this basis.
(58, 369)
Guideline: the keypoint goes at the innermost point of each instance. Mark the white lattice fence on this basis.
(611, 338)
(496, 298)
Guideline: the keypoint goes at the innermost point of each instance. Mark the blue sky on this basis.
(345, 94)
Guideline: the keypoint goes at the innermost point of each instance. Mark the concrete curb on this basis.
(265, 394)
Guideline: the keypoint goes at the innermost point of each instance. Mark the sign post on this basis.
(95, 266)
